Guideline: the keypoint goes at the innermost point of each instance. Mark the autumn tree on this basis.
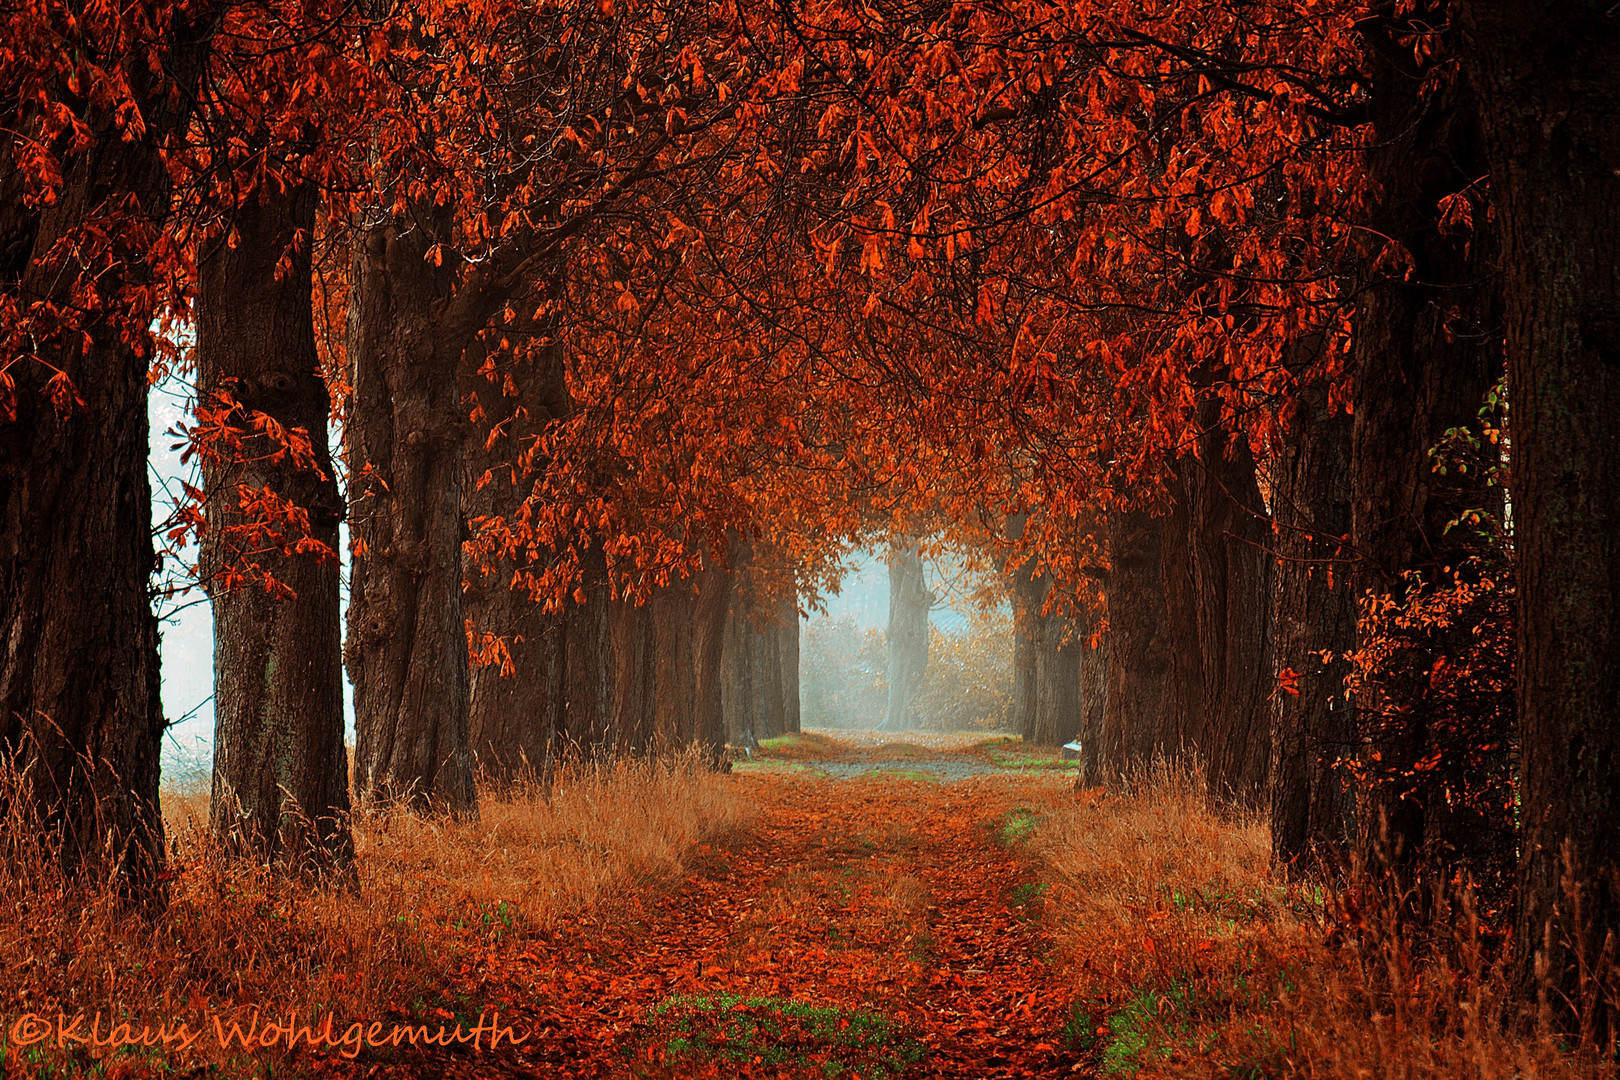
(274, 128)
(93, 101)
(281, 778)
(1427, 347)
(907, 632)
(1548, 83)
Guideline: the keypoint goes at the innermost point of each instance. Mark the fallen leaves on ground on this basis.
(867, 927)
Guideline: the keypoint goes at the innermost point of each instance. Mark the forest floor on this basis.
(876, 925)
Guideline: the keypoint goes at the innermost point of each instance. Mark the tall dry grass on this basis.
(1191, 959)
(234, 937)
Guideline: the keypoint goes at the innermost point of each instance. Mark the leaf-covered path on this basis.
(868, 927)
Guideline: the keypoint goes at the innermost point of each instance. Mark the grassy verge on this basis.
(237, 942)
(1190, 960)
(1010, 752)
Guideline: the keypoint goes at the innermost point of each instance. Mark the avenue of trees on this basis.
(1268, 351)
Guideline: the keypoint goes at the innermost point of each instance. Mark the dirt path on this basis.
(869, 926)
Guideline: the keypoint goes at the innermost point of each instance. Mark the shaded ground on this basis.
(875, 926)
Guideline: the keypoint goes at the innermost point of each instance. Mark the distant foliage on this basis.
(970, 677)
(969, 684)
(843, 674)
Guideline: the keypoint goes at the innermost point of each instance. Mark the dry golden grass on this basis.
(235, 937)
(1190, 959)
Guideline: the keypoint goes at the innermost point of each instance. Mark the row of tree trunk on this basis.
(760, 660)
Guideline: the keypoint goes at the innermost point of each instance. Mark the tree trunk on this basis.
(709, 623)
(1049, 712)
(281, 778)
(1426, 352)
(1093, 698)
(907, 635)
(1549, 80)
(632, 674)
(1136, 717)
(407, 645)
(1027, 628)
(516, 718)
(1231, 582)
(674, 675)
(1312, 807)
(789, 657)
(588, 682)
(80, 713)
(739, 696)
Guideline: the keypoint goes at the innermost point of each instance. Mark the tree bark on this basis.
(281, 778)
(407, 646)
(632, 673)
(588, 682)
(1049, 712)
(80, 712)
(715, 585)
(789, 658)
(907, 635)
(1093, 698)
(1137, 718)
(1312, 807)
(1231, 583)
(1549, 81)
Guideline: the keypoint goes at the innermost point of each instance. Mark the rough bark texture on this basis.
(715, 586)
(1231, 590)
(1093, 698)
(1140, 642)
(80, 714)
(1427, 349)
(588, 672)
(907, 635)
(1312, 807)
(407, 647)
(1549, 80)
(281, 778)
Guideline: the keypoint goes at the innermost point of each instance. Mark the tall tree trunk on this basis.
(1141, 641)
(1186, 722)
(789, 658)
(632, 674)
(80, 712)
(1231, 582)
(1549, 80)
(1027, 628)
(588, 682)
(516, 717)
(1093, 697)
(907, 634)
(713, 604)
(675, 669)
(281, 778)
(1312, 807)
(772, 691)
(1427, 349)
(739, 695)
(1049, 713)
(407, 646)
